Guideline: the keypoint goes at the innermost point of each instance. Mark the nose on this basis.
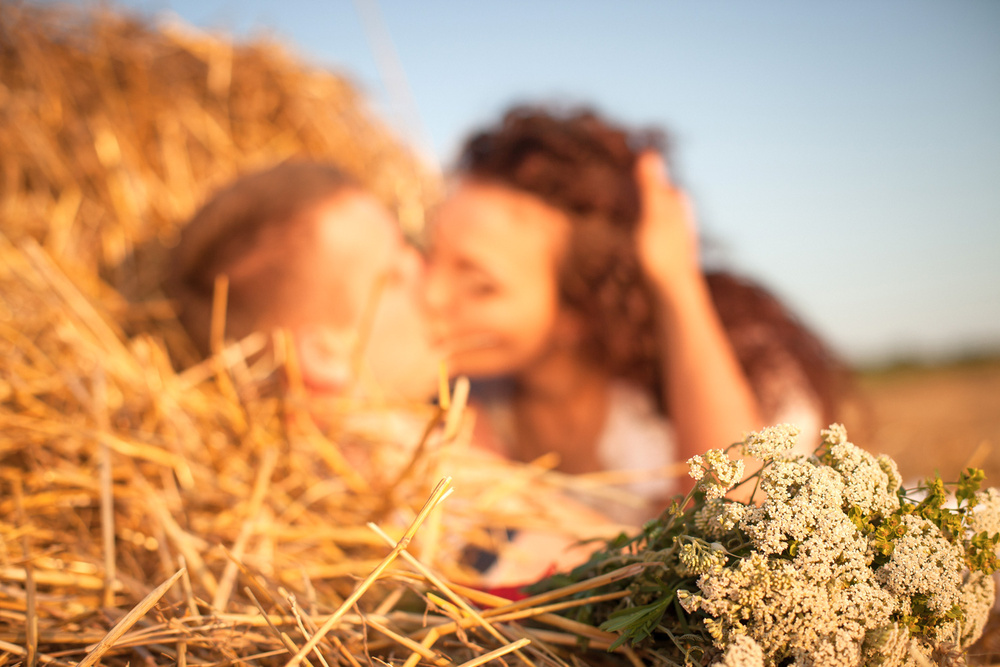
(437, 292)
(412, 270)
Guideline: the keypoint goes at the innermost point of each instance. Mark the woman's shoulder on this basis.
(784, 360)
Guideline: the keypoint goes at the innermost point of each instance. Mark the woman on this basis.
(307, 249)
(564, 262)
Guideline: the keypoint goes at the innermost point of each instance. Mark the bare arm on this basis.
(709, 399)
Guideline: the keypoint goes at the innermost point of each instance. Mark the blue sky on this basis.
(845, 153)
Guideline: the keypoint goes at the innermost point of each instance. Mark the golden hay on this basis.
(118, 474)
(192, 517)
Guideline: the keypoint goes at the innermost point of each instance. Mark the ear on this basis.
(325, 358)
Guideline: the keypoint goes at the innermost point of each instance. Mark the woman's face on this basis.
(491, 287)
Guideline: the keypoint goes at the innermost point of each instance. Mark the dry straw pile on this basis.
(154, 516)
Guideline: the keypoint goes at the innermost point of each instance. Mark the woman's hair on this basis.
(583, 165)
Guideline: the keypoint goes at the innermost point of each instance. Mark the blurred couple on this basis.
(561, 273)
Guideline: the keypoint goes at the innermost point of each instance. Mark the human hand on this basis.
(666, 239)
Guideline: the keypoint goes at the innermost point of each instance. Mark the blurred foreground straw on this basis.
(148, 517)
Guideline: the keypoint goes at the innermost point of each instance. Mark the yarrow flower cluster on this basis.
(716, 472)
(772, 441)
(831, 563)
(986, 517)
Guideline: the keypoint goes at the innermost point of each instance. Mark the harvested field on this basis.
(935, 418)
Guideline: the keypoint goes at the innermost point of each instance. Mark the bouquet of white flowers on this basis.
(837, 565)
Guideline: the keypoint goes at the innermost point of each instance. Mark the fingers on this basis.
(651, 170)
(687, 208)
(653, 181)
(660, 197)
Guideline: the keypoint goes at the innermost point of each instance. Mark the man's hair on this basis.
(250, 232)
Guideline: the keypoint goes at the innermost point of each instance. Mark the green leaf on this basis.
(623, 618)
(968, 483)
(636, 623)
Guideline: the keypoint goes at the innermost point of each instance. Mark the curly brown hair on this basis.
(584, 165)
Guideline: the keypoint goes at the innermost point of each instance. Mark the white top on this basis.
(638, 438)
(635, 438)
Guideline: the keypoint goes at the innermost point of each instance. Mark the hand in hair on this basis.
(666, 238)
(707, 394)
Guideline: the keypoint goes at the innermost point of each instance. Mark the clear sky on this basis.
(845, 153)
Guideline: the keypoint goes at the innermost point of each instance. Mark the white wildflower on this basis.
(741, 652)
(714, 491)
(888, 645)
(799, 494)
(834, 550)
(782, 479)
(767, 527)
(865, 604)
(771, 441)
(866, 485)
(839, 648)
(836, 434)
(891, 470)
(727, 471)
(699, 557)
(697, 467)
(818, 573)
(924, 563)
(976, 598)
(731, 515)
(770, 600)
(708, 520)
(986, 515)
(690, 603)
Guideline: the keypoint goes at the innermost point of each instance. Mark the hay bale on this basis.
(113, 132)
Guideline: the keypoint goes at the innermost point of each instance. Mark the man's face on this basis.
(362, 285)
